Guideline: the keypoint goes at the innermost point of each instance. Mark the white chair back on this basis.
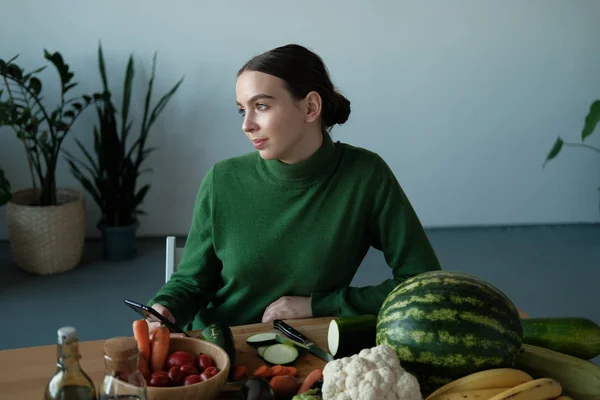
(172, 257)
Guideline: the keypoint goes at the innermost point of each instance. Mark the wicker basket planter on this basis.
(46, 240)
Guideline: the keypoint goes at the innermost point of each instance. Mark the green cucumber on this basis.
(349, 335)
(222, 336)
(280, 354)
(575, 336)
(580, 379)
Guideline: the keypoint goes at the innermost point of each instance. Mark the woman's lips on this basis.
(259, 143)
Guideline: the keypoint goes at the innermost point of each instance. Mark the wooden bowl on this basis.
(207, 390)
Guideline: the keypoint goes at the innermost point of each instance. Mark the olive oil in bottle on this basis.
(69, 382)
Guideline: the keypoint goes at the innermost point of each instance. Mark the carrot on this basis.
(160, 348)
(240, 372)
(262, 372)
(291, 371)
(144, 369)
(141, 335)
(277, 370)
(314, 376)
(284, 386)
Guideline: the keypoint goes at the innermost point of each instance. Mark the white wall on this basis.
(462, 98)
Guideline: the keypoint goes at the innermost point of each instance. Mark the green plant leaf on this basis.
(555, 150)
(139, 196)
(35, 85)
(62, 68)
(102, 67)
(162, 103)
(35, 71)
(591, 120)
(129, 74)
(85, 182)
(70, 86)
(61, 126)
(14, 71)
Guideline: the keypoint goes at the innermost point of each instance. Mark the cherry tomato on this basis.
(180, 358)
(175, 376)
(187, 370)
(159, 378)
(205, 376)
(191, 379)
(212, 371)
(204, 361)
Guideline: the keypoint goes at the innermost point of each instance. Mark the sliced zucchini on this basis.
(285, 340)
(262, 339)
(261, 350)
(280, 354)
(270, 338)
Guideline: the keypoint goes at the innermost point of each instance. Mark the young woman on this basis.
(280, 232)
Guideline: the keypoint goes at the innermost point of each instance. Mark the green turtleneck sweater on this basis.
(264, 229)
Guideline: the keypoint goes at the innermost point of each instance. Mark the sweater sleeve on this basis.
(395, 229)
(197, 278)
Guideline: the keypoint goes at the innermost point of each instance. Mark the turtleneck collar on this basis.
(318, 164)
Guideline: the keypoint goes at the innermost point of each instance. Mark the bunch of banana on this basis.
(499, 384)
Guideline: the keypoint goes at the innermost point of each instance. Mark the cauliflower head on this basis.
(372, 374)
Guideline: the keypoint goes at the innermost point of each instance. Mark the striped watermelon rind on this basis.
(445, 325)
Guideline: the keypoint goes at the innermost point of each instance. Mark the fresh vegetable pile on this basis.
(462, 338)
(438, 336)
(161, 368)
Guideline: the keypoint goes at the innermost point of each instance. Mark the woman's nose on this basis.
(249, 125)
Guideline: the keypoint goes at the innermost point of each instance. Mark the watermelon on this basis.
(444, 325)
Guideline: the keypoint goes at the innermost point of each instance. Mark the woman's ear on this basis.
(314, 106)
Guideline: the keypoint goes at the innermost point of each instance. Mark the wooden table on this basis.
(24, 373)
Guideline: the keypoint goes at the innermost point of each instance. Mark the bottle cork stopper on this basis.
(66, 334)
(119, 350)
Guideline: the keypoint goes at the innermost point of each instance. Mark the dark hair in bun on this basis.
(303, 71)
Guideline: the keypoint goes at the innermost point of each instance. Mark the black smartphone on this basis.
(153, 315)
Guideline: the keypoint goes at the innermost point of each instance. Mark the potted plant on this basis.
(111, 175)
(46, 223)
(591, 120)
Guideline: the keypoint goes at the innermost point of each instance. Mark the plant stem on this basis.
(587, 146)
(24, 139)
(50, 198)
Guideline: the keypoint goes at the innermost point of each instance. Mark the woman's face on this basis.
(274, 122)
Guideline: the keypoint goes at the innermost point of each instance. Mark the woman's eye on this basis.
(261, 107)
(241, 111)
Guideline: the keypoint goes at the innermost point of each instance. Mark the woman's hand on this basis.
(162, 310)
(288, 307)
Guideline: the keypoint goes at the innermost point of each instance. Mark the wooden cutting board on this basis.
(24, 372)
(315, 329)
